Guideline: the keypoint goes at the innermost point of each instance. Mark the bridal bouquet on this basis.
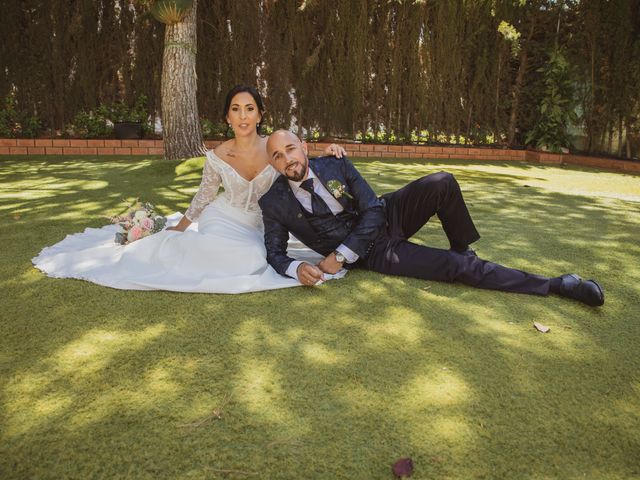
(139, 222)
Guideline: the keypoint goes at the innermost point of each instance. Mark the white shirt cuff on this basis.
(292, 269)
(349, 255)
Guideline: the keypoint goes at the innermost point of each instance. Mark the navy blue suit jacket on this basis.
(282, 213)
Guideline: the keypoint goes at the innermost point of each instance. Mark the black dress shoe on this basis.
(585, 291)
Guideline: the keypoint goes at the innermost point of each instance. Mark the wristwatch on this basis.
(339, 257)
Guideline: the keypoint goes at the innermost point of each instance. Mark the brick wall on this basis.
(154, 147)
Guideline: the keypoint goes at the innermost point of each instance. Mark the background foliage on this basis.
(439, 71)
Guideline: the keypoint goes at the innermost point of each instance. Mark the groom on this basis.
(327, 205)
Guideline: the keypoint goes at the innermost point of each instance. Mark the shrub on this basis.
(89, 125)
(15, 124)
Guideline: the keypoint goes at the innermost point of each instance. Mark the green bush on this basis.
(89, 125)
(98, 123)
(557, 109)
(17, 124)
(211, 130)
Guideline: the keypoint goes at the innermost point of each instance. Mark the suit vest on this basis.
(331, 230)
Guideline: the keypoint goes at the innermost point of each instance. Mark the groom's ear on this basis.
(305, 148)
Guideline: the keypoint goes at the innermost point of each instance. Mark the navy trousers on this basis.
(409, 209)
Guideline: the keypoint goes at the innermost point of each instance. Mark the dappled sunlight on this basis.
(358, 371)
(51, 387)
(190, 165)
(158, 386)
(258, 387)
(96, 349)
(455, 430)
(318, 354)
(397, 327)
(437, 388)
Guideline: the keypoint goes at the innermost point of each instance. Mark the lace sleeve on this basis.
(208, 190)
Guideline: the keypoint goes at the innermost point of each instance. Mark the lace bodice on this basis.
(238, 191)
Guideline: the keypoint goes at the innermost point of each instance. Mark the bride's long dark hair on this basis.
(251, 91)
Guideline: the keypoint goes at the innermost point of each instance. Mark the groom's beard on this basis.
(296, 175)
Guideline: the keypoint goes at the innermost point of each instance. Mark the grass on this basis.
(326, 383)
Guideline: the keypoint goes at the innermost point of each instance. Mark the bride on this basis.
(222, 253)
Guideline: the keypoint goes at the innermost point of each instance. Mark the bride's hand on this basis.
(335, 150)
(182, 225)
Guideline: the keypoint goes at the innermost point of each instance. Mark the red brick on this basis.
(146, 143)
(461, 150)
(18, 150)
(5, 150)
(156, 151)
(122, 151)
(373, 154)
(440, 155)
(105, 151)
(366, 148)
(386, 154)
(160, 143)
(380, 148)
(395, 148)
(71, 150)
(25, 142)
(130, 143)
(416, 155)
(95, 143)
(139, 151)
(89, 151)
(424, 149)
(60, 142)
(43, 143)
(77, 143)
(7, 142)
(36, 150)
(113, 143)
(408, 149)
(54, 150)
(628, 166)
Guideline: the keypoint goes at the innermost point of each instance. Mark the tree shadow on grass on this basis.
(334, 382)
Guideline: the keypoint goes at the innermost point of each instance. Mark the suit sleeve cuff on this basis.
(349, 255)
(292, 269)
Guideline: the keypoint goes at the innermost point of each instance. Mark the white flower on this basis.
(140, 214)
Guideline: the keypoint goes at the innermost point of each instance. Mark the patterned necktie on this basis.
(318, 205)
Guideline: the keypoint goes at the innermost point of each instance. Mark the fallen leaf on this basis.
(403, 467)
(540, 327)
(17, 216)
(428, 287)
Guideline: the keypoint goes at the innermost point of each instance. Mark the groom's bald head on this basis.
(288, 154)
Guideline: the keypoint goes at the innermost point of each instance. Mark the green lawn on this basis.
(329, 383)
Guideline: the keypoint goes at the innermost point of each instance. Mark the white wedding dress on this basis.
(222, 253)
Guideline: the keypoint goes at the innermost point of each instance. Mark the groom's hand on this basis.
(330, 264)
(309, 274)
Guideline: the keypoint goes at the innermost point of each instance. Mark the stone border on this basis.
(155, 147)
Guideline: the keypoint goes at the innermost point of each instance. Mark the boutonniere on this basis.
(337, 189)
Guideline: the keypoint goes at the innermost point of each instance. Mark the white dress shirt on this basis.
(304, 198)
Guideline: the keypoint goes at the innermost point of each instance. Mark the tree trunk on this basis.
(181, 126)
(517, 88)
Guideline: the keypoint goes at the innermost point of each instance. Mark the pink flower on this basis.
(147, 223)
(134, 234)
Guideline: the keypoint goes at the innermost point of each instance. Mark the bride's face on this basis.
(243, 114)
